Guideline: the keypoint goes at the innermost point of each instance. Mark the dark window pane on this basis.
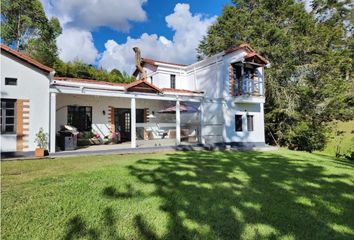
(10, 120)
(9, 128)
(80, 117)
(10, 112)
(173, 81)
(11, 81)
(9, 104)
(238, 123)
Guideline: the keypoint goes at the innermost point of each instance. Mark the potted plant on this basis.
(42, 143)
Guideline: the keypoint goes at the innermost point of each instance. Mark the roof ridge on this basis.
(26, 58)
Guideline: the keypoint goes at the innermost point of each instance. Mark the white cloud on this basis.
(90, 14)
(79, 17)
(76, 44)
(188, 28)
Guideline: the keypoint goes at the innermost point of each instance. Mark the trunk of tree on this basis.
(18, 31)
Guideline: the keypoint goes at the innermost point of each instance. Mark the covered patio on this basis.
(139, 114)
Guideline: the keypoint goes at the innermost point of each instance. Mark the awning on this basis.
(182, 107)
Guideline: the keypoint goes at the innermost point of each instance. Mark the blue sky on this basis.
(103, 32)
(157, 10)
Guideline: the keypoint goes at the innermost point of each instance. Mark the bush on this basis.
(306, 137)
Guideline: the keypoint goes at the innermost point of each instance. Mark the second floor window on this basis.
(11, 81)
(7, 116)
(152, 80)
(172, 81)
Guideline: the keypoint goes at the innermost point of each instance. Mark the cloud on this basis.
(76, 44)
(189, 30)
(79, 17)
(91, 14)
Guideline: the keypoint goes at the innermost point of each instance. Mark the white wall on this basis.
(32, 84)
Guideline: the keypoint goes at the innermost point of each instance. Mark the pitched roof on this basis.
(142, 86)
(90, 81)
(26, 58)
(179, 90)
(245, 46)
(156, 62)
(255, 55)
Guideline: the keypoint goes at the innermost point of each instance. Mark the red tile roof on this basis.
(90, 81)
(179, 90)
(126, 85)
(26, 58)
(137, 82)
(155, 62)
(241, 46)
(255, 54)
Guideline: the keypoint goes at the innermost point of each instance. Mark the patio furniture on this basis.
(155, 133)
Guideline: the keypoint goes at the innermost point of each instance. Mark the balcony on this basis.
(250, 89)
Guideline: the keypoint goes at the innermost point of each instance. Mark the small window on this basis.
(238, 123)
(11, 81)
(173, 80)
(152, 80)
(7, 116)
(250, 123)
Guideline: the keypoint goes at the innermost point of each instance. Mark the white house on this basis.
(218, 100)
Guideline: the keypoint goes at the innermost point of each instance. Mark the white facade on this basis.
(206, 84)
(32, 87)
(211, 76)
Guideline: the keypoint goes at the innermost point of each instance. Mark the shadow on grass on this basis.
(247, 195)
(231, 195)
(77, 228)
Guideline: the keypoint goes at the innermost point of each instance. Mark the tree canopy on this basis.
(310, 80)
(26, 28)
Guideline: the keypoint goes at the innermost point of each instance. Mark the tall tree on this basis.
(26, 28)
(310, 67)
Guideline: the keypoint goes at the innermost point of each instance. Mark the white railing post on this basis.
(178, 123)
(52, 124)
(133, 122)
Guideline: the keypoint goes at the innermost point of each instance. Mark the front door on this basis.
(123, 122)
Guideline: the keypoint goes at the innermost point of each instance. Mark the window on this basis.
(250, 123)
(173, 80)
(152, 80)
(80, 117)
(238, 123)
(11, 81)
(7, 116)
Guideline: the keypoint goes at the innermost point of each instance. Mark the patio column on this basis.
(178, 123)
(133, 122)
(52, 122)
(202, 140)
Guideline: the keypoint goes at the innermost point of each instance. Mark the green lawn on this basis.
(346, 141)
(184, 195)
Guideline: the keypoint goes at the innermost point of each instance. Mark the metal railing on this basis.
(250, 86)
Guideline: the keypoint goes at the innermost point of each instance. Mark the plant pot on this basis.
(39, 152)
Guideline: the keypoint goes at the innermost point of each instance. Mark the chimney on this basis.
(138, 65)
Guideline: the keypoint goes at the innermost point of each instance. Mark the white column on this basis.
(133, 122)
(178, 123)
(202, 140)
(52, 124)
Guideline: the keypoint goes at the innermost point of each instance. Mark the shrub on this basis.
(41, 139)
(306, 137)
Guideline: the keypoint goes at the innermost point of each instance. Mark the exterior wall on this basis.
(33, 89)
(212, 76)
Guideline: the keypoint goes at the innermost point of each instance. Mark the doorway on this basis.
(123, 121)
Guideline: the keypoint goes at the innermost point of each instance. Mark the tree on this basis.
(310, 75)
(26, 28)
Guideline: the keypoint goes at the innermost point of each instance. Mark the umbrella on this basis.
(182, 107)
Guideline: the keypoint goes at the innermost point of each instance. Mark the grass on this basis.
(184, 195)
(346, 141)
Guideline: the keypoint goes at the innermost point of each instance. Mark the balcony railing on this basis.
(250, 86)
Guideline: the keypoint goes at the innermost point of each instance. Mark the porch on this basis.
(109, 120)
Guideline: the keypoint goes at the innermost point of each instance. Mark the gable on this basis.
(142, 86)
